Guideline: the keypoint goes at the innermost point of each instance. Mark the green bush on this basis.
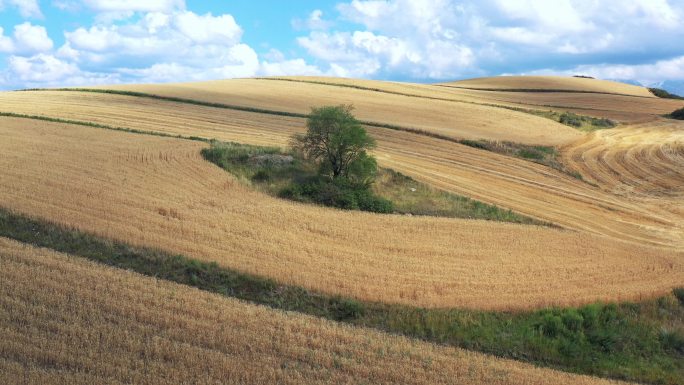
(570, 119)
(262, 175)
(530, 154)
(679, 293)
(346, 309)
(661, 93)
(573, 320)
(340, 192)
(672, 340)
(678, 114)
(551, 325)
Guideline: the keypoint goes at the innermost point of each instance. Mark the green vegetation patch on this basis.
(661, 93)
(581, 122)
(412, 197)
(678, 114)
(631, 341)
(290, 177)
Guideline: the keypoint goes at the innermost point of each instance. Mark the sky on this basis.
(49, 43)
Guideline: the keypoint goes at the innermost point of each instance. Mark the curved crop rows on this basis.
(520, 185)
(644, 160)
(61, 329)
(450, 118)
(159, 192)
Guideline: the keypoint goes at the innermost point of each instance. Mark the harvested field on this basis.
(59, 328)
(525, 187)
(159, 192)
(627, 109)
(553, 83)
(454, 119)
(644, 160)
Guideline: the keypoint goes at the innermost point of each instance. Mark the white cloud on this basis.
(134, 5)
(26, 39)
(403, 37)
(155, 47)
(44, 70)
(26, 8)
(6, 44)
(31, 38)
(315, 21)
(450, 38)
(646, 74)
(295, 67)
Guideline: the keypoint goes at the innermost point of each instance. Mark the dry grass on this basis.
(60, 328)
(626, 109)
(554, 83)
(642, 160)
(525, 187)
(118, 185)
(454, 119)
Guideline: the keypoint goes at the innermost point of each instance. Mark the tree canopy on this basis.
(337, 141)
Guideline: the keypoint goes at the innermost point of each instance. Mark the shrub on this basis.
(570, 119)
(678, 114)
(664, 94)
(346, 309)
(573, 320)
(262, 175)
(530, 154)
(672, 340)
(551, 325)
(341, 193)
(679, 293)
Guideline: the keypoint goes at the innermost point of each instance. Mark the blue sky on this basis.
(82, 42)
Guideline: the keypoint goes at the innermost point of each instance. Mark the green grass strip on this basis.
(638, 342)
(98, 125)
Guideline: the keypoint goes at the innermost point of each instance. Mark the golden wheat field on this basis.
(645, 160)
(123, 186)
(62, 329)
(521, 185)
(553, 83)
(450, 118)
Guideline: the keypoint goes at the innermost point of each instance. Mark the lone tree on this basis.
(338, 143)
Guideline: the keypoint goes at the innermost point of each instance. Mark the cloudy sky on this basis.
(79, 42)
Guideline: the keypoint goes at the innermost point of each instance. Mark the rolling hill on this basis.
(123, 163)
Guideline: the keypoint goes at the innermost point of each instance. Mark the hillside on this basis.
(149, 331)
(553, 83)
(123, 164)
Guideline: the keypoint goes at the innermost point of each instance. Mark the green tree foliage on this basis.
(338, 143)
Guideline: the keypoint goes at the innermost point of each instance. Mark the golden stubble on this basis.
(77, 322)
(121, 185)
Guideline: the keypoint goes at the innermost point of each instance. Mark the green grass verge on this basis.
(261, 168)
(639, 342)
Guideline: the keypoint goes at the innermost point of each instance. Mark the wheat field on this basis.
(449, 118)
(553, 83)
(643, 161)
(523, 186)
(122, 186)
(62, 329)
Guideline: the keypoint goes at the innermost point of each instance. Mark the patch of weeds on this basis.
(392, 192)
